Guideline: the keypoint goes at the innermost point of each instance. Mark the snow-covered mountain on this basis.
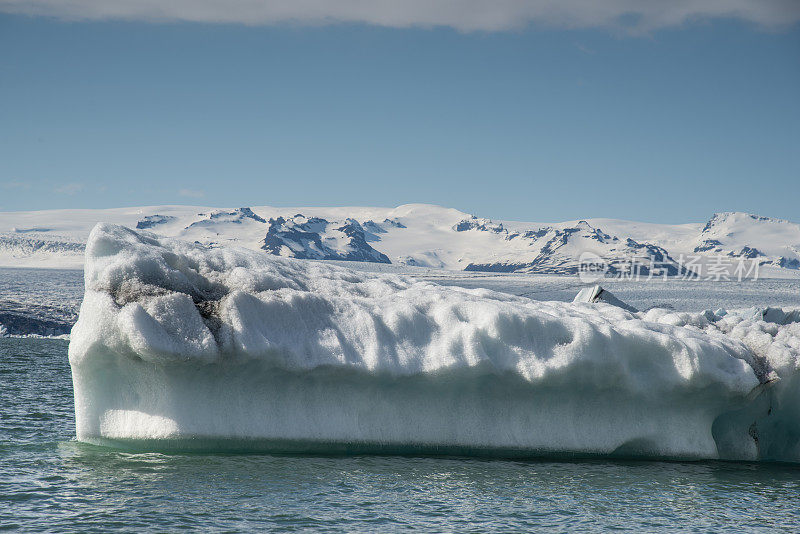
(421, 235)
(742, 235)
(316, 238)
(557, 250)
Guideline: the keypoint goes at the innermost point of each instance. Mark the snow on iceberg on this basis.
(181, 345)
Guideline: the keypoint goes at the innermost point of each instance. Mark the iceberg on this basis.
(182, 345)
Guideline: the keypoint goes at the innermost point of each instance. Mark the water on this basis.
(39, 301)
(49, 482)
(49, 287)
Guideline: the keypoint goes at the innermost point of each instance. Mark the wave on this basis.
(15, 326)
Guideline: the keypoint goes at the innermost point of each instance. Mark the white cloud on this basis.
(465, 15)
(191, 193)
(16, 184)
(69, 189)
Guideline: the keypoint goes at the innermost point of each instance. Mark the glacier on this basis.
(184, 345)
(427, 236)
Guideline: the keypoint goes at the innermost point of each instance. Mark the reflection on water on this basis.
(49, 482)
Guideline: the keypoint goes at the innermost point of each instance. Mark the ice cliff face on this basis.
(40, 246)
(181, 344)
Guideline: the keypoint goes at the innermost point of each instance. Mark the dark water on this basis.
(39, 301)
(48, 482)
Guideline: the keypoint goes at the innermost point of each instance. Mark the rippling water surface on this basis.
(48, 482)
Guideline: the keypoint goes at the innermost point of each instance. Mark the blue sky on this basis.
(667, 122)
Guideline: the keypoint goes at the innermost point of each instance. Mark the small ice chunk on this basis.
(594, 294)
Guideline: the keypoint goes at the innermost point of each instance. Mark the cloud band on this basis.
(463, 15)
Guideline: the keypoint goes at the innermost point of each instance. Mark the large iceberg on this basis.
(182, 345)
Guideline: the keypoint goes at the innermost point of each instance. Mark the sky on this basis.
(528, 110)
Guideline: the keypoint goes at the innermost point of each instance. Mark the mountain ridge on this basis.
(419, 235)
